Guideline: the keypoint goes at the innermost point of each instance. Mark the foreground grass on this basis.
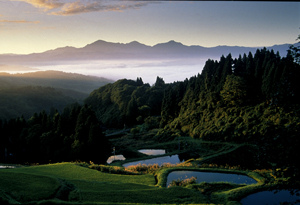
(24, 187)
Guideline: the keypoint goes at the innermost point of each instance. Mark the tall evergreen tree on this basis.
(159, 81)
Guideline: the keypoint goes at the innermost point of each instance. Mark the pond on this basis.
(271, 197)
(115, 157)
(173, 159)
(153, 151)
(7, 167)
(210, 177)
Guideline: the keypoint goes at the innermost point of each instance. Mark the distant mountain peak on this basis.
(170, 44)
(174, 42)
(134, 42)
(98, 43)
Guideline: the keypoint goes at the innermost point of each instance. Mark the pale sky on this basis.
(32, 26)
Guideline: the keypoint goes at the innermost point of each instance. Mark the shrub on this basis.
(111, 169)
(183, 182)
(152, 168)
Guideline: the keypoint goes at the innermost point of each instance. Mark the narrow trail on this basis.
(118, 132)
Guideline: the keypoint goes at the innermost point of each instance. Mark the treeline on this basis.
(75, 134)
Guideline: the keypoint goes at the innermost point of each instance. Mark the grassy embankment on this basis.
(70, 183)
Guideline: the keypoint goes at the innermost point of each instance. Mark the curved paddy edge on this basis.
(162, 174)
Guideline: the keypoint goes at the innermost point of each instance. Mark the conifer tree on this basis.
(159, 81)
(234, 90)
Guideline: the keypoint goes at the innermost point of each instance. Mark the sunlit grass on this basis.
(90, 186)
(71, 171)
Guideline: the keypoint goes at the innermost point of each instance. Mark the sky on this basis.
(33, 26)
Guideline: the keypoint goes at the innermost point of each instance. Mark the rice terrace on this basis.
(89, 183)
(149, 102)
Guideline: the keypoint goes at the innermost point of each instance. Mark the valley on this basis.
(238, 118)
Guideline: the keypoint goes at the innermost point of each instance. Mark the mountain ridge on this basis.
(103, 50)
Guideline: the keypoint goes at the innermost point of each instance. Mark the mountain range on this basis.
(102, 50)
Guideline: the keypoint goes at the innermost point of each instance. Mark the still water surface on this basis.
(6, 167)
(210, 177)
(173, 159)
(271, 198)
(153, 151)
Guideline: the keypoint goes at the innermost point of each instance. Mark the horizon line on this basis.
(146, 45)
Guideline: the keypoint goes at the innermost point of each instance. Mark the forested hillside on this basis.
(230, 97)
(75, 134)
(252, 84)
(127, 102)
(252, 99)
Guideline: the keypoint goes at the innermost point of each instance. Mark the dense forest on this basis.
(251, 99)
(75, 134)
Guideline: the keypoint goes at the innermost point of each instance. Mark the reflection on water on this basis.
(116, 157)
(210, 177)
(153, 151)
(271, 197)
(174, 159)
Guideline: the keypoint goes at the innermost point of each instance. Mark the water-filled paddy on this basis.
(173, 159)
(6, 167)
(271, 197)
(115, 157)
(210, 177)
(153, 151)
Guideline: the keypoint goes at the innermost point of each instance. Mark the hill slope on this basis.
(25, 94)
(55, 79)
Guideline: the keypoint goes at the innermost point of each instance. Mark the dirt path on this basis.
(119, 132)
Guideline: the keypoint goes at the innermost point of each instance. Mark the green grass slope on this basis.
(22, 187)
(69, 183)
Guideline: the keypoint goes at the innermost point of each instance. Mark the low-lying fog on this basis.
(148, 70)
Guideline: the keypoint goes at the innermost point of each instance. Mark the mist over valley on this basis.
(172, 61)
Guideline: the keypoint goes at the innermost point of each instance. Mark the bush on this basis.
(111, 169)
(183, 182)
